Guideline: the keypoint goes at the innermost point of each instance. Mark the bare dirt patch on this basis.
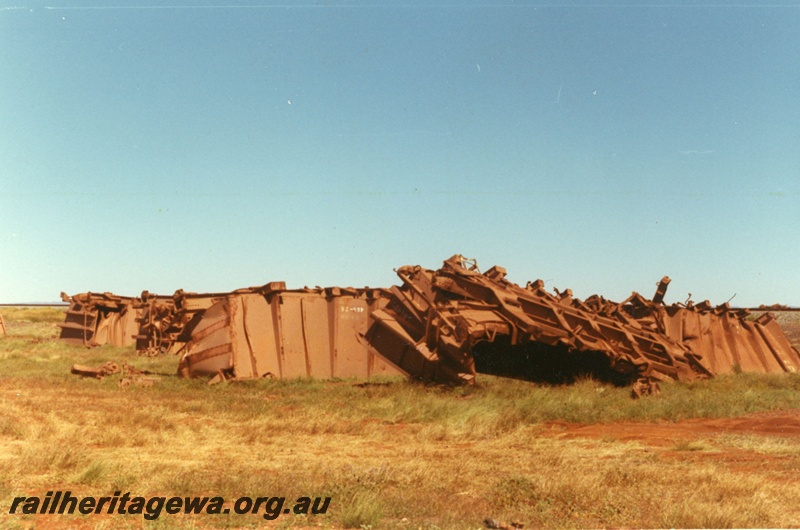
(778, 423)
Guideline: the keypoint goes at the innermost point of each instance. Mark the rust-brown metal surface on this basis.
(97, 372)
(166, 322)
(436, 322)
(94, 319)
(130, 374)
(445, 325)
(154, 323)
(275, 332)
(725, 340)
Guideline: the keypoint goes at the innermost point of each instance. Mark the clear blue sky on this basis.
(597, 146)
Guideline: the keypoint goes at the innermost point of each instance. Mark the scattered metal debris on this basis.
(496, 524)
(644, 387)
(98, 372)
(130, 374)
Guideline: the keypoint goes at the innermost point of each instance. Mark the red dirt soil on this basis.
(777, 423)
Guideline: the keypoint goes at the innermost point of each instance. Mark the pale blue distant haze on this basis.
(597, 146)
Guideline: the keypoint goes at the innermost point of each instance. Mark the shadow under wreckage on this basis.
(442, 326)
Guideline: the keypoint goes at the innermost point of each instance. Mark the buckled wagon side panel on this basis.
(95, 319)
(778, 344)
(726, 342)
(117, 328)
(79, 324)
(285, 334)
(210, 344)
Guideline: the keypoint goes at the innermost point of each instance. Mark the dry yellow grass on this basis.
(390, 455)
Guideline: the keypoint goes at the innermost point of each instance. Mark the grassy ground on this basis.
(389, 453)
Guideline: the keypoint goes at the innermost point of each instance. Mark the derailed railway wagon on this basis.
(94, 319)
(437, 322)
(442, 325)
(275, 332)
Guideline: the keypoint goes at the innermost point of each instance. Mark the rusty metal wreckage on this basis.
(442, 326)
